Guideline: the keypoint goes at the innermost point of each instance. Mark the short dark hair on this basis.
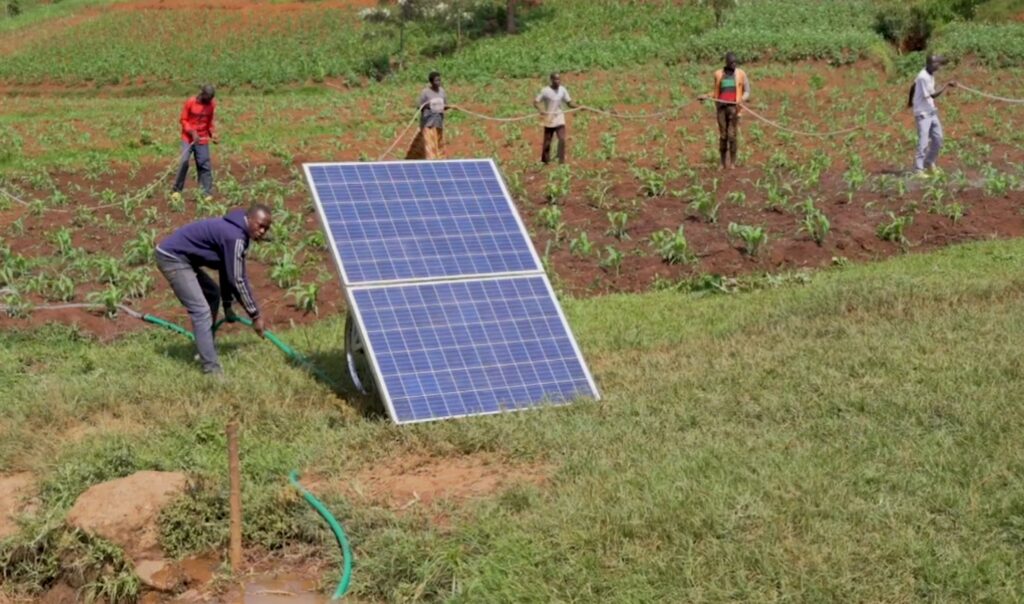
(207, 89)
(257, 208)
(555, 73)
(433, 74)
(730, 56)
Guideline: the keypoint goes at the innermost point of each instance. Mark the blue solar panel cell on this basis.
(456, 348)
(398, 221)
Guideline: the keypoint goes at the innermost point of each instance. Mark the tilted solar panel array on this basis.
(447, 291)
(415, 220)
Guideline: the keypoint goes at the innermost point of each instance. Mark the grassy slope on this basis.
(854, 439)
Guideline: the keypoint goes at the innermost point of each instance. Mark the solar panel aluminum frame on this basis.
(346, 282)
(381, 383)
(348, 286)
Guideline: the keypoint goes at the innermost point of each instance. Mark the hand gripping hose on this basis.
(339, 534)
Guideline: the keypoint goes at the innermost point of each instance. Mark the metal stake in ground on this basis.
(235, 476)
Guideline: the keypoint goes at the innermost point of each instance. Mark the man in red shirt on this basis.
(196, 135)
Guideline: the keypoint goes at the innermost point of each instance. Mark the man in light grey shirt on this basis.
(432, 102)
(926, 115)
(549, 102)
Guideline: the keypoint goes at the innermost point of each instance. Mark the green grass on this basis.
(852, 439)
(266, 50)
(994, 44)
(787, 30)
(997, 10)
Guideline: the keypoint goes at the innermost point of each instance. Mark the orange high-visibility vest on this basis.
(741, 85)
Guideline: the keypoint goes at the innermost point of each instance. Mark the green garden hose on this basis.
(168, 325)
(339, 534)
(288, 351)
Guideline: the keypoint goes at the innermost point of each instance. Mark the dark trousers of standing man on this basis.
(203, 165)
(728, 125)
(545, 152)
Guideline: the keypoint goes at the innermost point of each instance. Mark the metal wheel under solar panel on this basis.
(359, 369)
(450, 311)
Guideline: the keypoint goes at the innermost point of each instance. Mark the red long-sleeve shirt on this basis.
(199, 117)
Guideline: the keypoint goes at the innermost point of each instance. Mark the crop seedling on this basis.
(176, 203)
(581, 246)
(140, 249)
(305, 297)
(137, 283)
(285, 272)
(109, 299)
(672, 246)
(62, 239)
(705, 204)
(895, 229)
(618, 221)
(550, 217)
(59, 289)
(557, 187)
(998, 184)
(612, 259)
(15, 305)
(652, 184)
(753, 238)
(814, 223)
(607, 151)
(737, 198)
(955, 211)
(108, 270)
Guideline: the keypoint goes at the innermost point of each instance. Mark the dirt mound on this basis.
(14, 489)
(404, 481)
(124, 511)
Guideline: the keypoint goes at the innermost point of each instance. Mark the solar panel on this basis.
(451, 306)
(457, 348)
(397, 221)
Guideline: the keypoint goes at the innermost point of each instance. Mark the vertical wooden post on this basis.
(235, 475)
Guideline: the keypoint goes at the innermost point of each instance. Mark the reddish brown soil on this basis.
(14, 490)
(404, 482)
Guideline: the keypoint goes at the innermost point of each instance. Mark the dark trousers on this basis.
(203, 165)
(545, 152)
(201, 297)
(728, 125)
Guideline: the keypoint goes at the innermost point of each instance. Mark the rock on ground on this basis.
(125, 512)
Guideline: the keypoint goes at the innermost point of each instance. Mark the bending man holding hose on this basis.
(732, 87)
(220, 244)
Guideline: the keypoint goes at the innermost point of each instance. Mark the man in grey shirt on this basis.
(433, 103)
(549, 102)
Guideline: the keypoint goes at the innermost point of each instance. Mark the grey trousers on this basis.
(929, 141)
(203, 164)
(201, 297)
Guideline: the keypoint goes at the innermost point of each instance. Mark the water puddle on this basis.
(276, 590)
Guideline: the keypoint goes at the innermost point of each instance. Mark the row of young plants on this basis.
(58, 268)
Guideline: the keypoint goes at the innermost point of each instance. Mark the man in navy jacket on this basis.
(219, 244)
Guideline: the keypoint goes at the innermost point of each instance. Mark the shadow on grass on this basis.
(329, 368)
